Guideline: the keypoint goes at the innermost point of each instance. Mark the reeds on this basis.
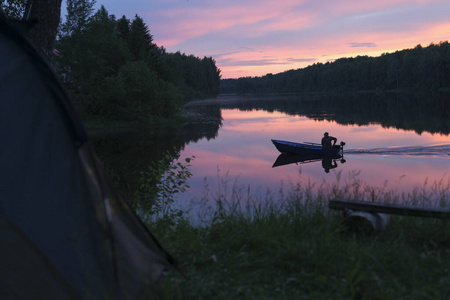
(301, 196)
(287, 245)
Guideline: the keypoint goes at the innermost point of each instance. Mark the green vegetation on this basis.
(114, 71)
(301, 254)
(13, 8)
(158, 185)
(293, 247)
(285, 247)
(419, 68)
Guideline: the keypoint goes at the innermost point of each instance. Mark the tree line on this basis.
(114, 70)
(417, 68)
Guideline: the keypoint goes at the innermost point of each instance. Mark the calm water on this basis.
(385, 150)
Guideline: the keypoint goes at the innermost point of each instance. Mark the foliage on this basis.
(114, 70)
(197, 79)
(77, 18)
(158, 186)
(139, 39)
(134, 93)
(13, 9)
(418, 68)
(296, 250)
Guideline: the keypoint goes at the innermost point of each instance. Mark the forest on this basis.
(418, 68)
(113, 69)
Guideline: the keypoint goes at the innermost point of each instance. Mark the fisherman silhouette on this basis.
(328, 141)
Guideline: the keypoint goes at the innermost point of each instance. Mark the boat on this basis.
(306, 148)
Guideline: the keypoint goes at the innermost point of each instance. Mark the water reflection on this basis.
(126, 152)
(407, 111)
(328, 162)
(393, 143)
(242, 151)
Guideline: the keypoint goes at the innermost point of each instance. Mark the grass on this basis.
(297, 251)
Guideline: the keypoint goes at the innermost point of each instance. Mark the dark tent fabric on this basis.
(64, 233)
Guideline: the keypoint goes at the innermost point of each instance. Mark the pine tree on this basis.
(123, 28)
(78, 14)
(140, 40)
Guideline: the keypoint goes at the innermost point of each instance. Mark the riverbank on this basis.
(97, 126)
(298, 251)
(301, 253)
(297, 248)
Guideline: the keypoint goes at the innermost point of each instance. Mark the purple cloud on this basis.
(362, 45)
(256, 62)
(302, 59)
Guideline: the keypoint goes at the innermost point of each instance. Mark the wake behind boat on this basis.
(307, 148)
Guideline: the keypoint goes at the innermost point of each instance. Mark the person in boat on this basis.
(328, 141)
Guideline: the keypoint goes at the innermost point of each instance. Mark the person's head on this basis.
(325, 134)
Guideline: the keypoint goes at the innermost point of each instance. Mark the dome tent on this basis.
(64, 233)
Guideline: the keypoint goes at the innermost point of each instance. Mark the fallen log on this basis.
(391, 209)
(368, 217)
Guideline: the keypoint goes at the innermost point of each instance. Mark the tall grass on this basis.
(287, 245)
(230, 197)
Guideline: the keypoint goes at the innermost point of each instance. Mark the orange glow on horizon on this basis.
(284, 58)
(254, 38)
(279, 66)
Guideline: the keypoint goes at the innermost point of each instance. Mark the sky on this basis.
(256, 37)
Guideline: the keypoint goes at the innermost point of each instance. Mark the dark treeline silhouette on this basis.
(114, 70)
(418, 68)
(428, 112)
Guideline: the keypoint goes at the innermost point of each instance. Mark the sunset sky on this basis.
(256, 37)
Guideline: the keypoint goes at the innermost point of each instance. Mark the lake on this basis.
(395, 145)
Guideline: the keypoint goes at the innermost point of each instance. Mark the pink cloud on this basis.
(189, 22)
(258, 37)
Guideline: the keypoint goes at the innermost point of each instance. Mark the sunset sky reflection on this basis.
(243, 155)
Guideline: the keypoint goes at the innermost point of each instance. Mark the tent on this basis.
(64, 233)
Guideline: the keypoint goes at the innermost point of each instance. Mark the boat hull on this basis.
(305, 148)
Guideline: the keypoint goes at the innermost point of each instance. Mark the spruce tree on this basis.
(78, 14)
(123, 28)
(140, 40)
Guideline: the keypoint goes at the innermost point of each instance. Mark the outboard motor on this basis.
(342, 151)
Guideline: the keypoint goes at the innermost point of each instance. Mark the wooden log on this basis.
(392, 209)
